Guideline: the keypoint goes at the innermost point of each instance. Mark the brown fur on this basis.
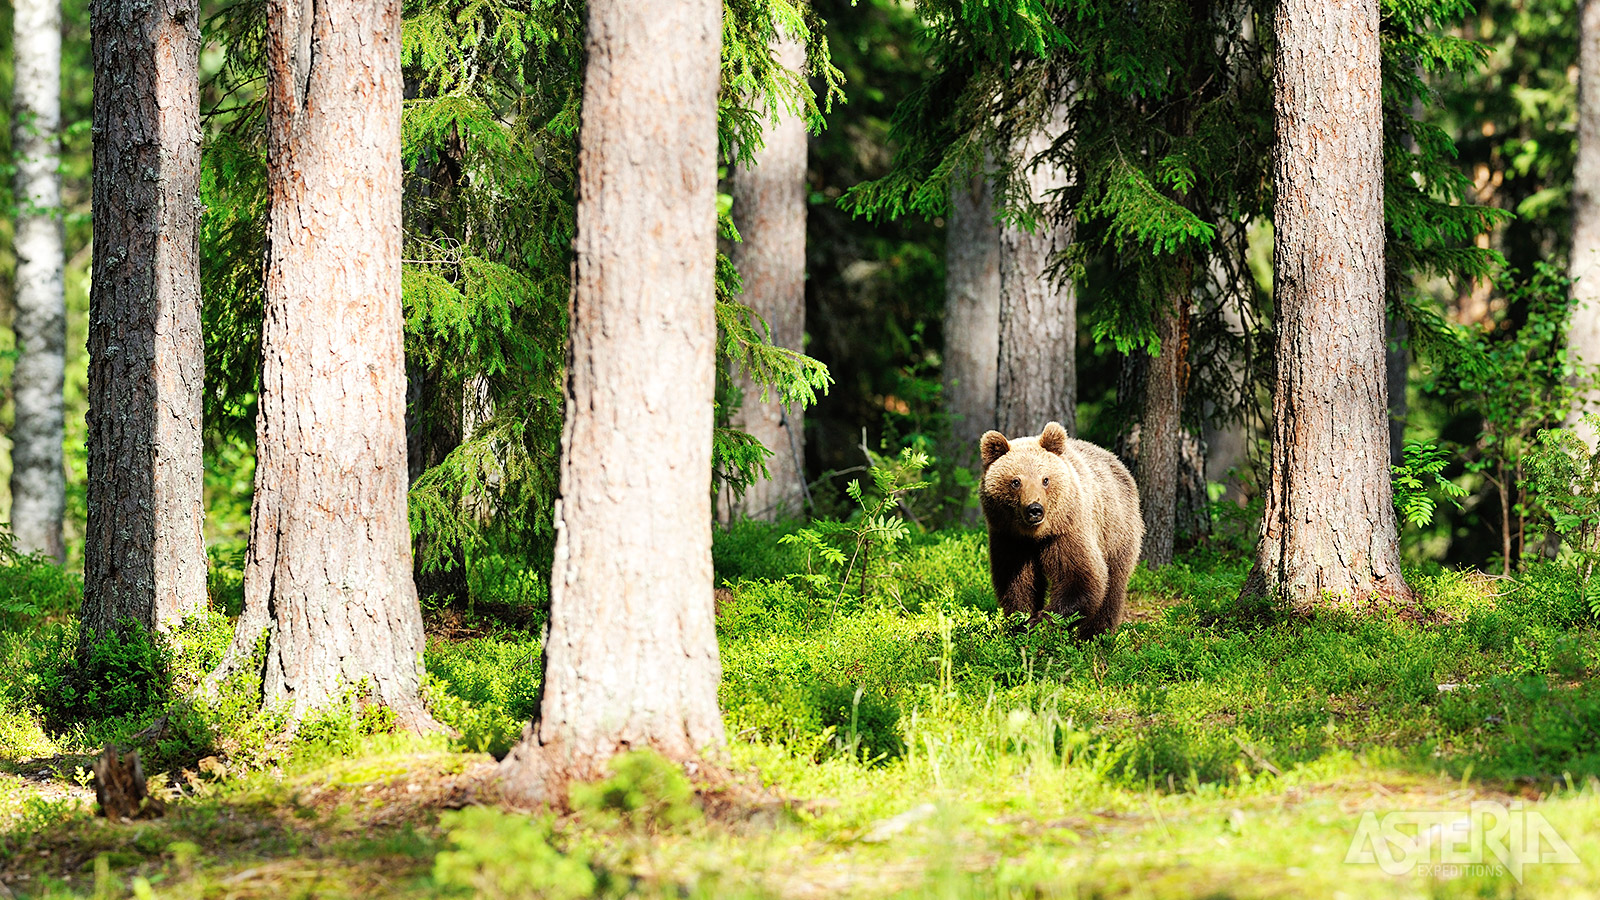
(1078, 557)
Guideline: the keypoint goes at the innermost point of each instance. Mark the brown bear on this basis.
(1064, 527)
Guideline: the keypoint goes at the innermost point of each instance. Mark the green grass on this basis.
(926, 749)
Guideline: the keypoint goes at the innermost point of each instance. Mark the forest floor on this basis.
(905, 743)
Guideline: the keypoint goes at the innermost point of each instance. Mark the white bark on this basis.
(769, 209)
(1583, 335)
(38, 482)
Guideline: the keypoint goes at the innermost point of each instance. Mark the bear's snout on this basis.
(1034, 512)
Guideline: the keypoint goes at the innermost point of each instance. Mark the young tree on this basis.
(971, 314)
(328, 576)
(1037, 378)
(1583, 335)
(1329, 534)
(769, 210)
(38, 480)
(144, 553)
(631, 656)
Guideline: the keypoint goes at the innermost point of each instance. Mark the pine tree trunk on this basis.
(144, 552)
(1328, 538)
(631, 659)
(1036, 381)
(1161, 428)
(38, 480)
(1583, 334)
(971, 314)
(329, 571)
(769, 209)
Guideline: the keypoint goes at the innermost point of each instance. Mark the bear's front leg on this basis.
(1077, 573)
(1018, 582)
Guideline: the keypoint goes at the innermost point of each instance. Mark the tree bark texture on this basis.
(971, 314)
(769, 209)
(144, 551)
(631, 656)
(1161, 429)
(1036, 378)
(38, 479)
(329, 571)
(1328, 537)
(1583, 334)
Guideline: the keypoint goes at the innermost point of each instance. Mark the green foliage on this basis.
(33, 587)
(502, 856)
(645, 791)
(1563, 479)
(1419, 477)
(864, 547)
(485, 688)
(127, 672)
(1518, 379)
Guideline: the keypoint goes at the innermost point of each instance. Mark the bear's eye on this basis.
(1016, 483)
(1047, 482)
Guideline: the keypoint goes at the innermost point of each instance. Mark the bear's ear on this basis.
(993, 446)
(1054, 439)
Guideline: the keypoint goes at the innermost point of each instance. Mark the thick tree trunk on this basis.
(38, 480)
(1161, 427)
(329, 571)
(1583, 335)
(1037, 381)
(971, 314)
(1328, 537)
(631, 658)
(769, 209)
(144, 553)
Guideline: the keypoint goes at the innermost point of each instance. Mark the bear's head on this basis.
(1024, 478)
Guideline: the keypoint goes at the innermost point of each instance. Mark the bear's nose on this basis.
(1035, 512)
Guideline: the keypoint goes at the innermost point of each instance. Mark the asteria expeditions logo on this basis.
(1489, 838)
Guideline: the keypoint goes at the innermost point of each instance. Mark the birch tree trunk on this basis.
(1583, 334)
(1328, 537)
(1036, 379)
(769, 209)
(631, 656)
(971, 314)
(329, 572)
(38, 481)
(144, 552)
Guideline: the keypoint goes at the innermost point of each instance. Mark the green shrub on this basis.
(503, 855)
(33, 587)
(646, 791)
(126, 673)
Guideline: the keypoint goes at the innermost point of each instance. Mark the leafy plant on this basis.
(1563, 474)
(32, 586)
(1417, 479)
(871, 535)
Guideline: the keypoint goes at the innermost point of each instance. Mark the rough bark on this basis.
(1328, 537)
(1583, 334)
(329, 570)
(1161, 429)
(144, 552)
(971, 314)
(769, 209)
(631, 657)
(1036, 379)
(38, 481)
